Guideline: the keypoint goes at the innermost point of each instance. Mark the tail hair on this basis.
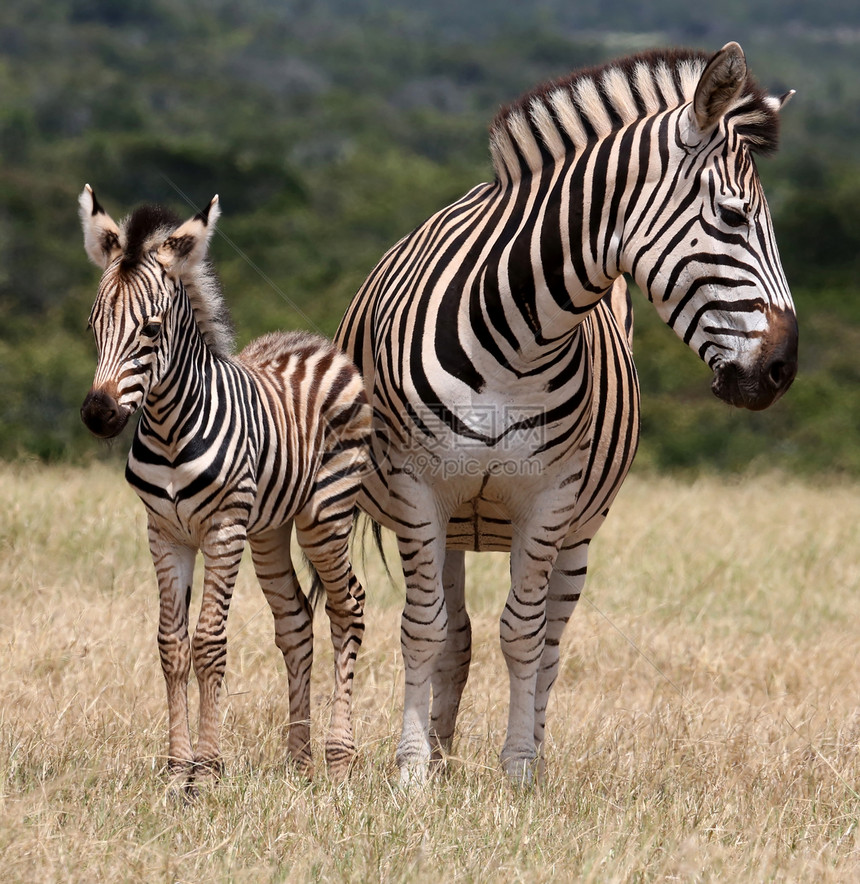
(376, 533)
(317, 590)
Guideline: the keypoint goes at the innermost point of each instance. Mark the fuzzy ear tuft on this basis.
(784, 99)
(211, 213)
(101, 235)
(719, 86)
(186, 247)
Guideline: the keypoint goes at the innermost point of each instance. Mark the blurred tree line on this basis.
(331, 128)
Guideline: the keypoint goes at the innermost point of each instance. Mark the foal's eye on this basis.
(732, 217)
(151, 329)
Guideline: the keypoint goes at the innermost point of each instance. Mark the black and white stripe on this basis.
(228, 449)
(504, 396)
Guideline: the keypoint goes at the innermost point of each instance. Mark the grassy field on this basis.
(704, 728)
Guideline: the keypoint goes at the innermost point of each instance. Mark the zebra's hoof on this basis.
(338, 759)
(523, 772)
(414, 776)
(206, 770)
(302, 767)
(178, 771)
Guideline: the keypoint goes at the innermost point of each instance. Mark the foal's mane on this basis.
(563, 116)
(145, 229)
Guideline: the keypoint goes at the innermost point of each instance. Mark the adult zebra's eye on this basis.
(732, 217)
(151, 329)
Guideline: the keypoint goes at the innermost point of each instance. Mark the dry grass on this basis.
(705, 726)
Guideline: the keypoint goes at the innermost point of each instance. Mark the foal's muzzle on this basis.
(103, 415)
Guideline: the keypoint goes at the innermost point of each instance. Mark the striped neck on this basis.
(185, 363)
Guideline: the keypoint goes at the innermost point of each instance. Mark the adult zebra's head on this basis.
(699, 239)
(149, 259)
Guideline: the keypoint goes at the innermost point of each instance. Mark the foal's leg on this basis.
(323, 529)
(452, 666)
(174, 568)
(222, 553)
(293, 633)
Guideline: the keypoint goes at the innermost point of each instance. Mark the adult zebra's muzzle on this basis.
(103, 415)
(761, 385)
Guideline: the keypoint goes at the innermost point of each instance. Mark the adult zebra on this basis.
(228, 449)
(470, 333)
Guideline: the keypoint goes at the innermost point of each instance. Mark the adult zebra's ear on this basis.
(101, 235)
(186, 247)
(720, 84)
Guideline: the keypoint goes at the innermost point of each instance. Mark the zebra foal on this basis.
(228, 449)
(504, 397)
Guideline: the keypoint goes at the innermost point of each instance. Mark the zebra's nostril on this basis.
(781, 373)
(777, 372)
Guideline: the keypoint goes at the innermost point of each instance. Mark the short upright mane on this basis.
(144, 230)
(564, 116)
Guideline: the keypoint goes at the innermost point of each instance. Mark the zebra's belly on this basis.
(480, 525)
(481, 519)
(477, 524)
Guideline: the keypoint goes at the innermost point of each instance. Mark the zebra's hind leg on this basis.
(324, 536)
(174, 568)
(294, 635)
(565, 586)
(452, 666)
(222, 553)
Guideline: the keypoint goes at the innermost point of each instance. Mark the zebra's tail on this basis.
(376, 534)
(317, 590)
(376, 531)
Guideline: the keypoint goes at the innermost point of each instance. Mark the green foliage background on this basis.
(331, 128)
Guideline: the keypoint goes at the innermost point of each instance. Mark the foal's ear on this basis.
(186, 247)
(720, 84)
(778, 102)
(101, 235)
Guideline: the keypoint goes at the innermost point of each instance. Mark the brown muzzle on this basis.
(102, 415)
(761, 386)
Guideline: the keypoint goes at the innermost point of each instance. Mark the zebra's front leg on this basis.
(326, 543)
(523, 636)
(452, 666)
(222, 553)
(565, 587)
(174, 569)
(294, 634)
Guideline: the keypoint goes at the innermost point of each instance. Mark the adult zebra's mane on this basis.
(563, 116)
(144, 230)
